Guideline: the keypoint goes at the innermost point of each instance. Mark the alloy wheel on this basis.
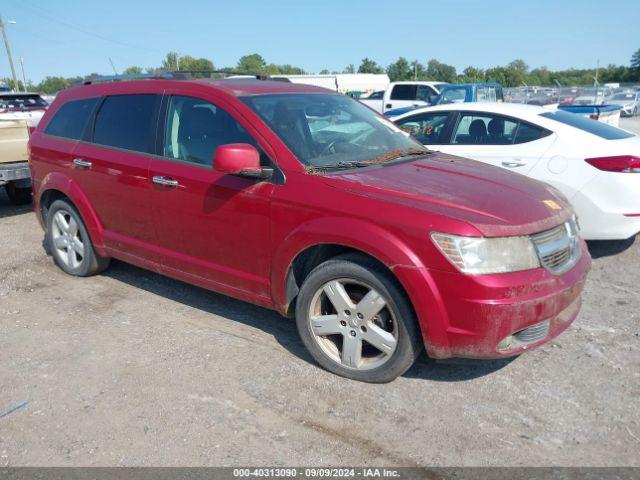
(66, 238)
(353, 324)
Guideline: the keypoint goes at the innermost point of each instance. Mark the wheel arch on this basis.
(56, 186)
(317, 241)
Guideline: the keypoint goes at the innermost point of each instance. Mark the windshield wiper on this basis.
(394, 155)
(334, 166)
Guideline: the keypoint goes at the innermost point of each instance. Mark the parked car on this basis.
(405, 94)
(629, 103)
(22, 106)
(14, 169)
(595, 165)
(305, 201)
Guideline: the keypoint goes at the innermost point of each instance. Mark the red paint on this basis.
(235, 158)
(239, 236)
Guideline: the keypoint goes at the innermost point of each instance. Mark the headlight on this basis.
(478, 255)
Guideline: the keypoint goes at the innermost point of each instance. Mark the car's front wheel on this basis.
(356, 322)
(69, 241)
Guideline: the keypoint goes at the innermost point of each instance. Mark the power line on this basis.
(47, 16)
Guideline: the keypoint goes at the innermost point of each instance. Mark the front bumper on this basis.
(468, 316)
(10, 172)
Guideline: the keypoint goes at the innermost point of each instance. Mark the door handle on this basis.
(80, 163)
(165, 181)
(389, 105)
(513, 164)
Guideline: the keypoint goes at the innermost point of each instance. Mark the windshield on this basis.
(328, 130)
(19, 102)
(454, 95)
(624, 96)
(588, 125)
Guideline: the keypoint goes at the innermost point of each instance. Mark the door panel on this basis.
(210, 225)
(117, 186)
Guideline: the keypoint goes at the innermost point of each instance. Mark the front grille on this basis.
(559, 247)
(533, 333)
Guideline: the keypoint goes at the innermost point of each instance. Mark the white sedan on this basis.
(595, 165)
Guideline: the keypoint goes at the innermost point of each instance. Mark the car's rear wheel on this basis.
(356, 321)
(18, 195)
(69, 241)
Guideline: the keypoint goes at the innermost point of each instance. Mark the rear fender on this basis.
(62, 183)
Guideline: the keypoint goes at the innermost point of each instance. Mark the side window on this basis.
(71, 120)
(529, 133)
(126, 121)
(454, 95)
(427, 128)
(195, 128)
(486, 94)
(425, 93)
(403, 92)
(476, 129)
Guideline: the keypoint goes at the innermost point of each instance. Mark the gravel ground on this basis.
(130, 368)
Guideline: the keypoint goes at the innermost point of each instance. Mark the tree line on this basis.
(516, 73)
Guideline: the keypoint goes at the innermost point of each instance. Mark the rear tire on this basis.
(17, 195)
(356, 321)
(69, 241)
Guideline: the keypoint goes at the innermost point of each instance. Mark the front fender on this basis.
(357, 234)
(62, 183)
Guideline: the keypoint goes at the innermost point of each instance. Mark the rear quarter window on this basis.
(127, 121)
(72, 118)
(588, 125)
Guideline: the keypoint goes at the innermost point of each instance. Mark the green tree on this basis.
(369, 66)
(441, 71)
(400, 70)
(350, 68)
(133, 70)
(471, 75)
(635, 60)
(253, 63)
(170, 61)
(324, 71)
(516, 73)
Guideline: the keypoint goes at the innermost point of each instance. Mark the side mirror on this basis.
(240, 159)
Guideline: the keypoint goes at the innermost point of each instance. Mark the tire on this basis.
(365, 303)
(18, 196)
(69, 242)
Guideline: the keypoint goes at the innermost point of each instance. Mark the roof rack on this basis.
(175, 75)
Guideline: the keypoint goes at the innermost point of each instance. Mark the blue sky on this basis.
(73, 37)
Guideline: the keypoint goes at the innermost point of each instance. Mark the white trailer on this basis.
(365, 83)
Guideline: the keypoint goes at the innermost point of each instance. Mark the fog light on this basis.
(507, 343)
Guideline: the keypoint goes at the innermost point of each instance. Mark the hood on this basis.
(495, 201)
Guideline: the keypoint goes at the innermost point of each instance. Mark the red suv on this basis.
(309, 203)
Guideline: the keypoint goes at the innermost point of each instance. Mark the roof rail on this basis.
(173, 75)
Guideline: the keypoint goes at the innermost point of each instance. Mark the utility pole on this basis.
(24, 77)
(6, 44)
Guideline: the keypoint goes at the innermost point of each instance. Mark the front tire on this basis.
(356, 321)
(17, 195)
(69, 241)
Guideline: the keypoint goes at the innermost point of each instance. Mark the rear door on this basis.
(212, 228)
(498, 140)
(112, 168)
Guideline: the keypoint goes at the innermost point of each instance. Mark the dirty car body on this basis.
(338, 187)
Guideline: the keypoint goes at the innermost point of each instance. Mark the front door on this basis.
(212, 228)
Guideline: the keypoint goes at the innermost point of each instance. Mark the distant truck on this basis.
(459, 93)
(15, 176)
(405, 94)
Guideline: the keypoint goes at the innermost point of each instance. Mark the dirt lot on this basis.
(130, 368)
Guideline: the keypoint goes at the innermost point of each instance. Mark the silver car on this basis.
(628, 101)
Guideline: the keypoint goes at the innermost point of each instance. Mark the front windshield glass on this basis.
(624, 96)
(327, 130)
